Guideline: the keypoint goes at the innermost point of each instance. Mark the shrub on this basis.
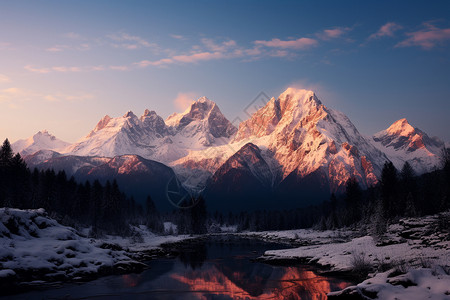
(361, 265)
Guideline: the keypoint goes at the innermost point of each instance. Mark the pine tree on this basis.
(353, 198)
(389, 186)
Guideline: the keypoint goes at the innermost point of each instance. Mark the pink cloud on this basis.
(301, 43)
(119, 68)
(333, 33)
(427, 38)
(184, 100)
(130, 42)
(387, 29)
(37, 70)
(177, 36)
(4, 78)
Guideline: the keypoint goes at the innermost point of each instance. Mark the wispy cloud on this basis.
(213, 46)
(130, 42)
(5, 46)
(184, 100)
(64, 69)
(60, 48)
(59, 97)
(15, 97)
(4, 78)
(333, 33)
(177, 36)
(73, 36)
(387, 30)
(427, 38)
(300, 43)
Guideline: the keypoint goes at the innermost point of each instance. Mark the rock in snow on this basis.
(36, 247)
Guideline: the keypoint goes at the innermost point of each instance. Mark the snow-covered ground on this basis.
(34, 247)
(416, 247)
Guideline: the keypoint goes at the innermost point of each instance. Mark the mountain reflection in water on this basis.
(218, 268)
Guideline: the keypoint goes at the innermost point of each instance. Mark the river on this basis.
(217, 268)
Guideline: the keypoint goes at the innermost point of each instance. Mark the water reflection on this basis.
(214, 269)
(279, 283)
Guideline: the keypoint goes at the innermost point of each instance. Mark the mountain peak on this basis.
(148, 112)
(40, 140)
(298, 97)
(129, 114)
(401, 128)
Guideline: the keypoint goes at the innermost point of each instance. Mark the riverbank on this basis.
(412, 258)
(35, 251)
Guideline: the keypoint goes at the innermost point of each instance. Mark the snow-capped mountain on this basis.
(303, 136)
(122, 135)
(202, 124)
(40, 141)
(293, 148)
(402, 142)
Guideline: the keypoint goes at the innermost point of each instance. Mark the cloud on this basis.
(13, 97)
(184, 100)
(4, 78)
(72, 69)
(426, 38)
(301, 43)
(177, 36)
(188, 58)
(119, 68)
(224, 46)
(130, 42)
(6, 46)
(333, 33)
(58, 97)
(73, 36)
(387, 29)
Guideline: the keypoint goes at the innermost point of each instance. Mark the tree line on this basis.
(400, 193)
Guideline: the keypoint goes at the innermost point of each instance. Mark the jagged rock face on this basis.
(203, 122)
(122, 135)
(154, 123)
(402, 142)
(304, 135)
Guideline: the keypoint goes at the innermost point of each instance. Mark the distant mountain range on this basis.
(292, 152)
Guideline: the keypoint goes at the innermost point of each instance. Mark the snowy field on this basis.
(411, 261)
(36, 249)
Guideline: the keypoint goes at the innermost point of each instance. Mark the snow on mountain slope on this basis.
(71, 164)
(402, 142)
(303, 135)
(42, 140)
(122, 135)
(40, 157)
(202, 124)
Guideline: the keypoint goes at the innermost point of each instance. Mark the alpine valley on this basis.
(293, 149)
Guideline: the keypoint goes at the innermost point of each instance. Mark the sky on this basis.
(66, 64)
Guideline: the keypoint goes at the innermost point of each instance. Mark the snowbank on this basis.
(416, 284)
(36, 247)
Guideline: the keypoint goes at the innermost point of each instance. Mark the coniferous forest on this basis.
(106, 209)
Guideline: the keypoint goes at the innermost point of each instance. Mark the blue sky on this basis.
(65, 64)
